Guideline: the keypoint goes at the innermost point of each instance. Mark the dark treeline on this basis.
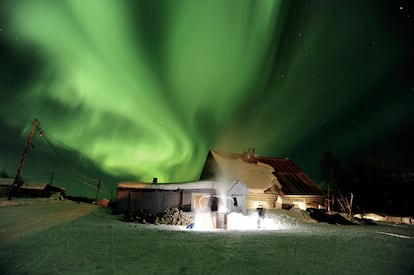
(375, 185)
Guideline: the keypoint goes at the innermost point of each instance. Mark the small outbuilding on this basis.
(5, 186)
(40, 190)
(30, 189)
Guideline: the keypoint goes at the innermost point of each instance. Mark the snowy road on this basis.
(96, 242)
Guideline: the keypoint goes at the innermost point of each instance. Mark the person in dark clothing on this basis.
(213, 204)
(235, 204)
(236, 207)
(260, 215)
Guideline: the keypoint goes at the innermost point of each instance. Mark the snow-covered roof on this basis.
(40, 186)
(209, 184)
(33, 185)
(6, 181)
(255, 175)
(169, 186)
(262, 173)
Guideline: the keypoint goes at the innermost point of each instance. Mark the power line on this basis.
(93, 161)
(26, 112)
(62, 162)
(62, 158)
(47, 156)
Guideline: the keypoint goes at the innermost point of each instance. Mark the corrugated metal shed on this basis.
(191, 195)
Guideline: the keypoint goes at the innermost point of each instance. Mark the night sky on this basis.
(132, 90)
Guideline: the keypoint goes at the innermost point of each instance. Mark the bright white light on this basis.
(257, 204)
(237, 221)
(300, 205)
(205, 221)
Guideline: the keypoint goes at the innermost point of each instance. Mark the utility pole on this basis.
(15, 184)
(51, 179)
(99, 187)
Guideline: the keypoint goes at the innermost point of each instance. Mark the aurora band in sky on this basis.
(148, 87)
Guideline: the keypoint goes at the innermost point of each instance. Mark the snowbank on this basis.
(387, 219)
(64, 237)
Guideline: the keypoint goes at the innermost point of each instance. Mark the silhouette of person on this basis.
(236, 205)
(213, 204)
(260, 215)
(213, 207)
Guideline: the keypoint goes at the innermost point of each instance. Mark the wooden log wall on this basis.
(266, 200)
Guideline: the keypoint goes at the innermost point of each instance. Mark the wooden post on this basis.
(129, 203)
(15, 184)
(51, 179)
(97, 190)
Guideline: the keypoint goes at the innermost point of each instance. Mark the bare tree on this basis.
(345, 204)
(330, 169)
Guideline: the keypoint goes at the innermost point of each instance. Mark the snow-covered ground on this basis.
(40, 236)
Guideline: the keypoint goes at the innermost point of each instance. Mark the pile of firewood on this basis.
(174, 216)
(171, 216)
(140, 216)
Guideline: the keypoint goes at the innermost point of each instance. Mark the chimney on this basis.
(249, 155)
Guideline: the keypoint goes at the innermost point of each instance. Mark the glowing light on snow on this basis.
(394, 235)
(237, 221)
(204, 221)
(224, 218)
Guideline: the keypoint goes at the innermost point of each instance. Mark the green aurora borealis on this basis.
(146, 88)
